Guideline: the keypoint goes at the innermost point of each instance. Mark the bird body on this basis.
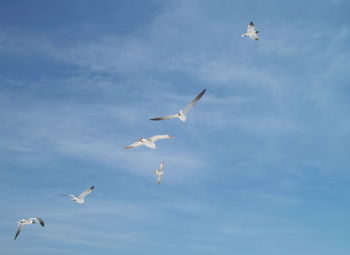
(251, 32)
(182, 113)
(182, 116)
(28, 221)
(159, 172)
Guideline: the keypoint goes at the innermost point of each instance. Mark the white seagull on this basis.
(149, 142)
(159, 172)
(27, 221)
(80, 199)
(251, 32)
(182, 114)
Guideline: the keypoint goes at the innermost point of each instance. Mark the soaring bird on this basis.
(27, 221)
(159, 172)
(149, 142)
(80, 199)
(251, 32)
(182, 114)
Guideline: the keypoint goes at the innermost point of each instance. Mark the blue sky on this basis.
(260, 167)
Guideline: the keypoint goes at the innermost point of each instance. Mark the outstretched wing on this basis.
(168, 117)
(135, 144)
(159, 178)
(161, 166)
(251, 27)
(39, 220)
(71, 196)
(159, 137)
(194, 101)
(20, 226)
(86, 192)
(255, 37)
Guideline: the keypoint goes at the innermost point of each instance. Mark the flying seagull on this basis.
(80, 198)
(149, 142)
(251, 32)
(27, 221)
(159, 172)
(182, 114)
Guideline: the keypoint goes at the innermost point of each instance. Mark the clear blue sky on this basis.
(260, 167)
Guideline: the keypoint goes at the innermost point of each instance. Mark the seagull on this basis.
(149, 142)
(80, 198)
(182, 114)
(27, 221)
(251, 32)
(159, 172)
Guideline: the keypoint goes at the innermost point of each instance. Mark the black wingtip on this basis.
(202, 93)
(40, 221)
(17, 233)
(92, 187)
(251, 23)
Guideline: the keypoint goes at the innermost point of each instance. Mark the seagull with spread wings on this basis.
(80, 199)
(149, 142)
(159, 172)
(27, 221)
(182, 114)
(251, 32)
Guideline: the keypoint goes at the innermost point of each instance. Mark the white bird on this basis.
(159, 172)
(149, 142)
(27, 221)
(80, 199)
(182, 114)
(251, 32)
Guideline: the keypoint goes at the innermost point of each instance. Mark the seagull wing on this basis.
(39, 220)
(135, 144)
(168, 117)
(159, 178)
(71, 196)
(159, 137)
(194, 101)
(251, 27)
(255, 36)
(161, 166)
(20, 226)
(86, 192)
